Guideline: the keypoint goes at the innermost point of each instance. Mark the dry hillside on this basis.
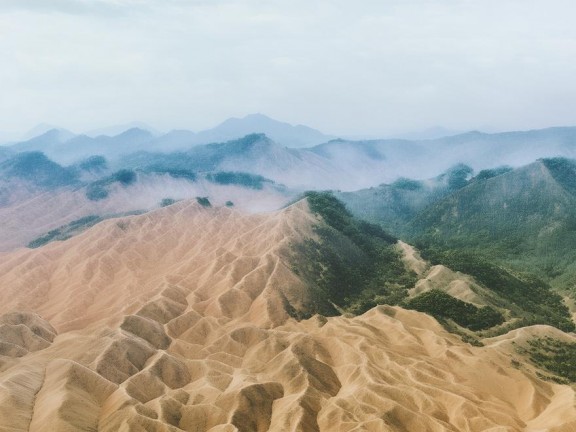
(180, 320)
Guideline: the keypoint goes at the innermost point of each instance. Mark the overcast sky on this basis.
(374, 67)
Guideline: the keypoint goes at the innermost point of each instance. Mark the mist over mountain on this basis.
(408, 171)
(393, 205)
(49, 142)
(5, 153)
(140, 280)
(65, 147)
(39, 129)
(328, 163)
(426, 158)
(523, 217)
(121, 128)
(429, 133)
(284, 134)
(28, 174)
(169, 263)
(255, 153)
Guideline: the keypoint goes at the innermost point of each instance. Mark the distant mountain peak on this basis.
(258, 116)
(283, 133)
(251, 140)
(135, 132)
(38, 130)
(55, 135)
(251, 119)
(120, 129)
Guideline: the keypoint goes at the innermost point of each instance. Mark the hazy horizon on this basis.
(374, 69)
(434, 132)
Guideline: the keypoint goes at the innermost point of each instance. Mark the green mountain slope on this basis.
(393, 206)
(525, 218)
(36, 168)
(355, 266)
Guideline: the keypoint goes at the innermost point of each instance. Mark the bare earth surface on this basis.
(179, 319)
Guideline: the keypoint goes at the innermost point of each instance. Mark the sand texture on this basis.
(180, 320)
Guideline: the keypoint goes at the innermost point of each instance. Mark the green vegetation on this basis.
(66, 231)
(354, 264)
(203, 158)
(76, 227)
(36, 168)
(555, 356)
(229, 204)
(251, 181)
(490, 173)
(458, 176)
(514, 231)
(526, 296)
(93, 164)
(203, 201)
(124, 177)
(407, 184)
(335, 214)
(96, 192)
(99, 189)
(167, 202)
(393, 206)
(443, 306)
(524, 220)
(173, 172)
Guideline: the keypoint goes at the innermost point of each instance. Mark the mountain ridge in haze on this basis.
(345, 164)
(65, 148)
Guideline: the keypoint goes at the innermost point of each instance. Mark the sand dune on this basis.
(440, 277)
(180, 320)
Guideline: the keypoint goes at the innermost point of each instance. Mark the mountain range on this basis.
(523, 217)
(323, 163)
(67, 147)
(158, 283)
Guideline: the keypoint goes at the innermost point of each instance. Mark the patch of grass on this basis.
(39, 170)
(167, 202)
(173, 172)
(96, 192)
(251, 181)
(407, 184)
(203, 201)
(99, 189)
(93, 164)
(66, 231)
(490, 173)
(442, 305)
(555, 356)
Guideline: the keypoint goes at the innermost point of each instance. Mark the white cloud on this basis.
(364, 67)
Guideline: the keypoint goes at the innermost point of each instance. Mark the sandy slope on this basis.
(178, 320)
(440, 277)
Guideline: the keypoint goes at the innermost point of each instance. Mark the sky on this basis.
(348, 68)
